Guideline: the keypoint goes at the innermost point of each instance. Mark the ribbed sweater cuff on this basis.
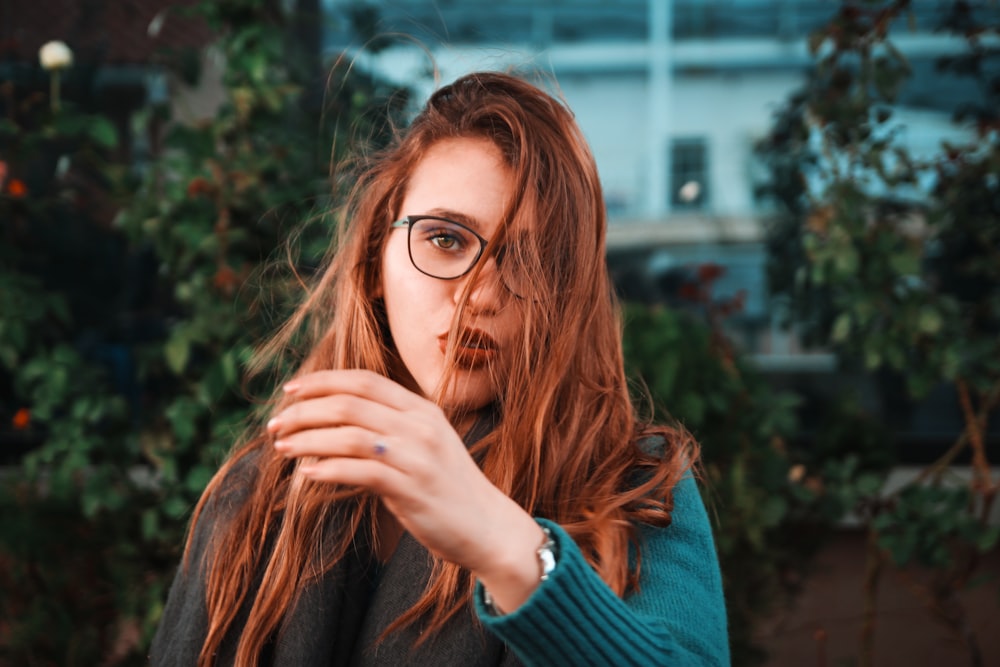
(574, 618)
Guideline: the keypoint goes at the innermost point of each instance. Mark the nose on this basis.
(486, 292)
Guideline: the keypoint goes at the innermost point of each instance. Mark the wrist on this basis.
(500, 596)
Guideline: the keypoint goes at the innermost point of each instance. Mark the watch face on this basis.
(548, 560)
(547, 555)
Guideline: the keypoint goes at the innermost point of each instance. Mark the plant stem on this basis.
(873, 571)
(945, 460)
(976, 425)
(54, 90)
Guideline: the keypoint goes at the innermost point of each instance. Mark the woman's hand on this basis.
(366, 430)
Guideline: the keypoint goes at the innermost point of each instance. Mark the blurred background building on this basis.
(672, 97)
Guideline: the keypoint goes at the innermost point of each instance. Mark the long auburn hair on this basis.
(566, 444)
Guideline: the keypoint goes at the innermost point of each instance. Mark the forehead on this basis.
(466, 177)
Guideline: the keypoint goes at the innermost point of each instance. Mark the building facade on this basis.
(672, 97)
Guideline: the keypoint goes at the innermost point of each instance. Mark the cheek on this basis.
(412, 300)
(396, 267)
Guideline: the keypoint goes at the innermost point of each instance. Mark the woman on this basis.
(455, 475)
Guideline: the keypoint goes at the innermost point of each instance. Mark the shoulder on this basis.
(236, 479)
(666, 442)
(229, 492)
(242, 468)
(652, 444)
(660, 456)
(680, 582)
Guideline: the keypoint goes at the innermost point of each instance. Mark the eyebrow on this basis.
(517, 238)
(457, 216)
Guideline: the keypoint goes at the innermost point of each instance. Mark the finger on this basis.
(335, 443)
(361, 383)
(336, 410)
(349, 441)
(372, 474)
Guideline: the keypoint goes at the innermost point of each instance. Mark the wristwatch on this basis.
(546, 564)
(546, 555)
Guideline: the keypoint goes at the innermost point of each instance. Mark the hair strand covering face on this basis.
(565, 443)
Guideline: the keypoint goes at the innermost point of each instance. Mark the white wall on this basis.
(732, 110)
(729, 107)
(613, 113)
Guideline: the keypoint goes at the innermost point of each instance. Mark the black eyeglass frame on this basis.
(505, 278)
(410, 220)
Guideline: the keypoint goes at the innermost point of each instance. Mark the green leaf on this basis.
(91, 504)
(841, 328)
(8, 356)
(230, 368)
(177, 350)
(846, 261)
(929, 321)
(988, 539)
(773, 510)
(175, 507)
(102, 132)
(183, 415)
(869, 485)
(68, 124)
(905, 263)
(951, 362)
(198, 478)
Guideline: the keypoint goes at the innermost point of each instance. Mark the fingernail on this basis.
(273, 425)
(291, 387)
(281, 445)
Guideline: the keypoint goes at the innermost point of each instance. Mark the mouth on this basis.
(475, 348)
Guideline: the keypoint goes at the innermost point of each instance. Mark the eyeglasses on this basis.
(445, 249)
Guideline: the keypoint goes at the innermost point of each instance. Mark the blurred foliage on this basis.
(746, 465)
(129, 304)
(892, 259)
(772, 501)
(123, 391)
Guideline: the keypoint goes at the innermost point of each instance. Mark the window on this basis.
(689, 173)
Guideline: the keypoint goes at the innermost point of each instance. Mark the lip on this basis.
(476, 350)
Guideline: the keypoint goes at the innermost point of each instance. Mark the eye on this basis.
(444, 237)
(446, 240)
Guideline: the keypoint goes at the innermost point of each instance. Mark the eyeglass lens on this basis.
(443, 249)
(446, 249)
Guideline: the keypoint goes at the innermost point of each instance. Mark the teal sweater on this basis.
(676, 618)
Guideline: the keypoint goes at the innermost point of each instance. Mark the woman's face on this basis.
(464, 180)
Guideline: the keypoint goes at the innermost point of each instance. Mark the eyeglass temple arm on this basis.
(402, 222)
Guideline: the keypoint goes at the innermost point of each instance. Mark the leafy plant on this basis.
(696, 378)
(893, 261)
(127, 399)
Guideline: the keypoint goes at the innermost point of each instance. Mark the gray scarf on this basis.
(338, 619)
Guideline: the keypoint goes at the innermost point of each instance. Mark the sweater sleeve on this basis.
(677, 617)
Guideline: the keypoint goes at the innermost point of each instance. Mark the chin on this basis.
(471, 392)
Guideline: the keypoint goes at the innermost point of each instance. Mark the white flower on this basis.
(55, 55)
